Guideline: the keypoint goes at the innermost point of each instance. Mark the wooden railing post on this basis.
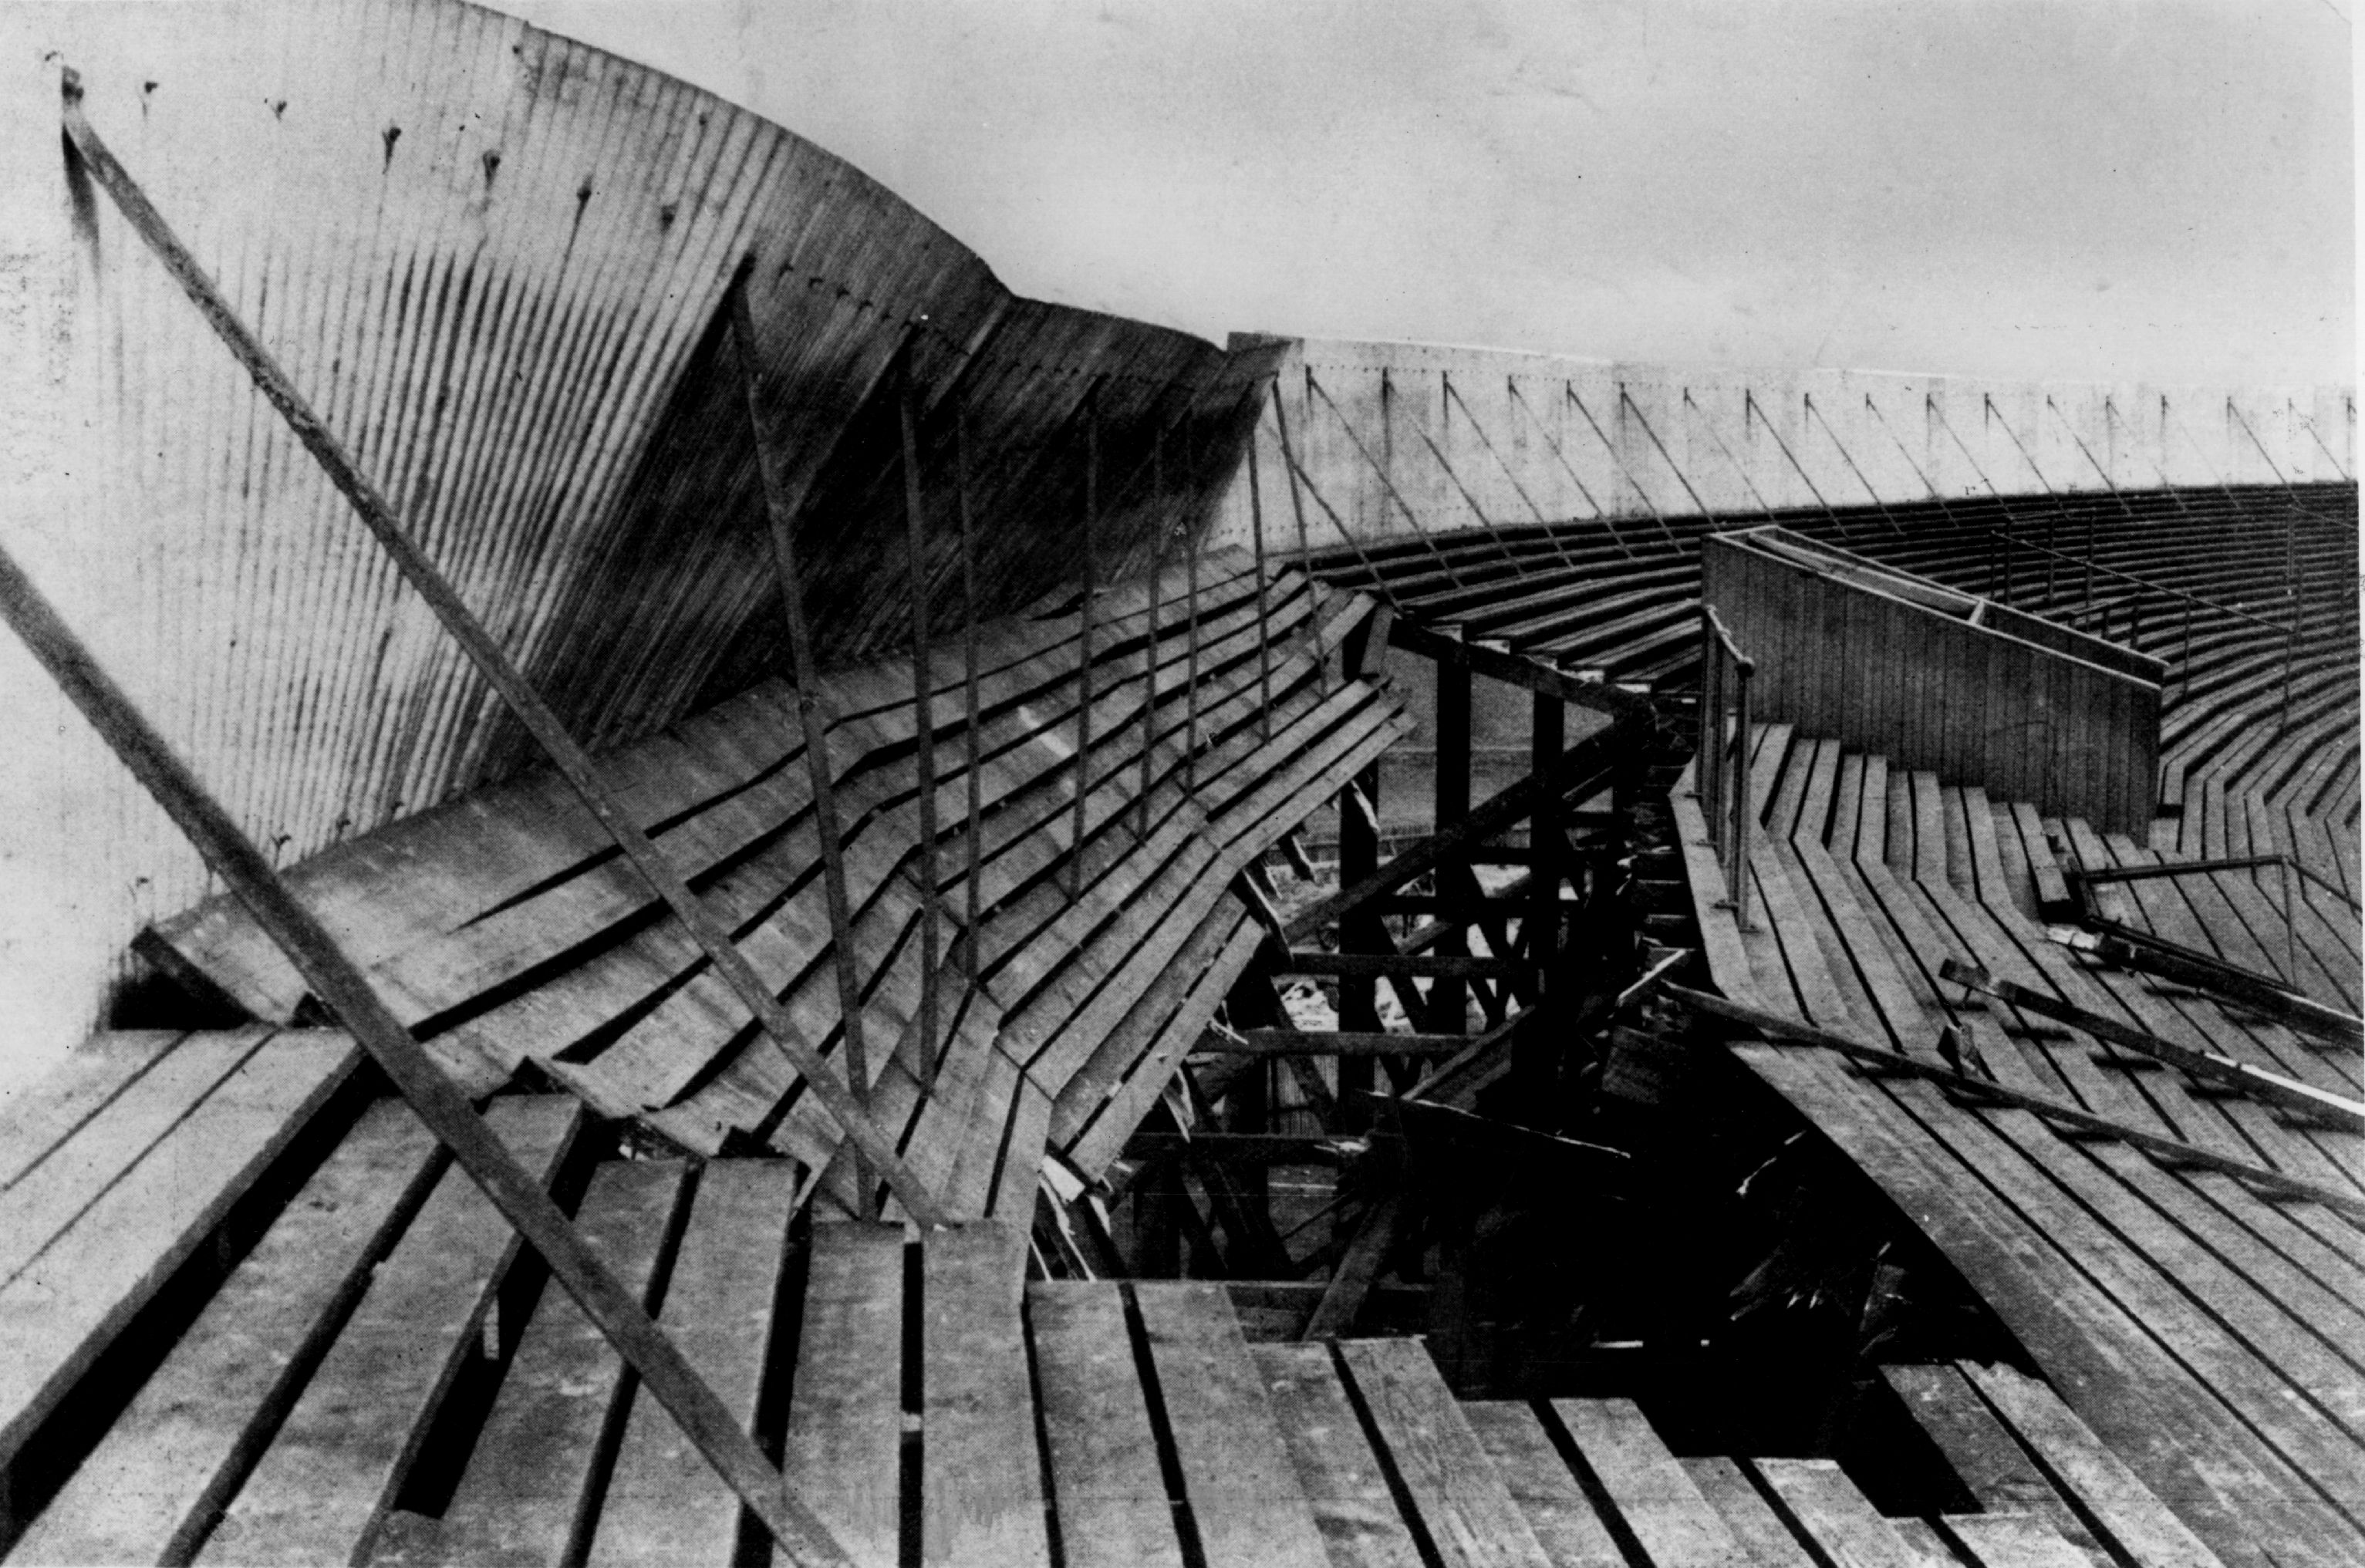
(1741, 812)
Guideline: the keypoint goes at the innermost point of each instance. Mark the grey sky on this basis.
(2094, 189)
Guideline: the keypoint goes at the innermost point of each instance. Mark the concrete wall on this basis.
(1463, 438)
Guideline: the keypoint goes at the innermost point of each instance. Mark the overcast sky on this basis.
(2091, 189)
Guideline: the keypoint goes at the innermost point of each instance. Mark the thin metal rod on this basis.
(1380, 467)
(1191, 671)
(969, 683)
(1616, 535)
(2290, 925)
(498, 671)
(339, 982)
(1626, 402)
(1085, 638)
(1808, 400)
(1776, 1026)
(781, 517)
(1569, 389)
(1264, 637)
(1150, 654)
(924, 704)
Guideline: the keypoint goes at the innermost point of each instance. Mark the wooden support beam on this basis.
(340, 983)
(1342, 1298)
(2336, 1108)
(1332, 1043)
(2135, 950)
(1448, 998)
(1584, 766)
(1517, 669)
(836, 1095)
(1260, 1148)
(1781, 1028)
(1453, 966)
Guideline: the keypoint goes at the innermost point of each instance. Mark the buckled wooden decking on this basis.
(380, 1375)
(505, 931)
(2209, 1331)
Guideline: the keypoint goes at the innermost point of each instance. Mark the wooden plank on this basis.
(1835, 1516)
(2132, 1519)
(157, 1479)
(664, 1500)
(1354, 1505)
(982, 1471)
(36, 1117)
(1983, 1453)
(1012, 1201)
(1677, 1525)
(1463, 1502)
(1237, 1474)
(845, 1410)
(118, 1247)
(1113, 1508)
(2015, 1540)
(1342, 1298)
(527, 1494)
(2127, 1383)
(1563, 1519)
(324, 1486)
(1770, 1542)
(49, 1197)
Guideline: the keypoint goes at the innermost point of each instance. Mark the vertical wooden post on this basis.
(1448, 997)
(1084, 639)
(924, 705)
(1358, 856)
(1743, 813)
(802, 670)
(1547, 739)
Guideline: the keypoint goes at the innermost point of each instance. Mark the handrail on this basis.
(1722, 785)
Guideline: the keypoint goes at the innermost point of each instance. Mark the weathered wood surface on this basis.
(507, 932)
(1882, 663)
(128, 1183)
(2199, 1327)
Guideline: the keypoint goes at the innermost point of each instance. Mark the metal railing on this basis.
(1720, 773)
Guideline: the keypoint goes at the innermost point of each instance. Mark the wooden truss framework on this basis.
(1217, 1135)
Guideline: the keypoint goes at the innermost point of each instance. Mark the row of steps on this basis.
(373, 1371)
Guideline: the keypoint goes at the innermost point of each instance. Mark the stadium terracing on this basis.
(746, 899)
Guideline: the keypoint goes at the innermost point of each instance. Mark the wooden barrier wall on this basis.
(1893, 664)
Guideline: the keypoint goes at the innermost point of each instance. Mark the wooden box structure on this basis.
(1940, 681)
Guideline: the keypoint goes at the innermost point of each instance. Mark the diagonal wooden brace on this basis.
(496, 665)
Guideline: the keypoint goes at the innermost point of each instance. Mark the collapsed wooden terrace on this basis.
(863, 1060)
